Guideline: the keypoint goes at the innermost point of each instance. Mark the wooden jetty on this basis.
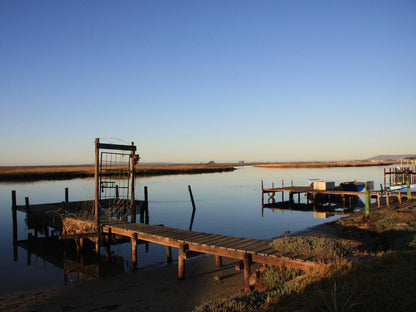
(67, 222)
(247, 250)
(347, 196)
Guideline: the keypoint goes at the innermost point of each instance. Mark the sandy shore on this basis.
(153, 289)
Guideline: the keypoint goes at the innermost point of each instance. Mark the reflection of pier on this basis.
(77, 266)
(45, 226)
(335, 200)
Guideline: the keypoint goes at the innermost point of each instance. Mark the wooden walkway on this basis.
(247, 250)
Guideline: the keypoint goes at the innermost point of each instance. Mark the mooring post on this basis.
(247, 270)
(66, 195)
(409, 193)
(367, 202)
(193, 208)
(181, 261)
(27, 205)
(134, 251)
(168, 254)
(14, 216)
(146, 207)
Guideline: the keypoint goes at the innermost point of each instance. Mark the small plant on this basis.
(337, 301)
(276, 277)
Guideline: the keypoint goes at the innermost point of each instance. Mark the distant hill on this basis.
(393, 157)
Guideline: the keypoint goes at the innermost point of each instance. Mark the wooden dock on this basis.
(247, 250)
(347, 197)
(69, 221)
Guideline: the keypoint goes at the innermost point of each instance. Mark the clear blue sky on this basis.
(194, 81)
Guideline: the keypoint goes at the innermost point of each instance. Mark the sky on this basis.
(200, 81)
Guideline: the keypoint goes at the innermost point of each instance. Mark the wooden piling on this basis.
(27, 205)
(168, 254)
(218, 261)
(66, 195)
(134, 251)
(367, 202)
(193, 208)
(132, 174)
(14, 216)
(146, 206)
(181, 261)
(247, 270)
(97, 198)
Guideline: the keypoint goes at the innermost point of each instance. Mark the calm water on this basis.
(226, 203)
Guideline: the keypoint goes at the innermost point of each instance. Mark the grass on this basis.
(33, 173)
(384, 281)
(327, 164)
(322, 247)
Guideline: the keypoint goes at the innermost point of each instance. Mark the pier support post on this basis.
(146, 206)
(247, 270)
(66, 195)
(14, 216)
(218, 261)
(134, 252)
(169, 254)
(409, 193)
(181, 261)
(367, 203)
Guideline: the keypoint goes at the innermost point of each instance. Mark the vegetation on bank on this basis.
(327, 164)
(35, 173)
(372, 268)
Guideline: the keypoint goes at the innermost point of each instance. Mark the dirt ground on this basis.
(153, 289)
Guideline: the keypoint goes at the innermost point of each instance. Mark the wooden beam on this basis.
(116, 147)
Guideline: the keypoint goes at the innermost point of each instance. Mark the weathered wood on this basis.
(247, 270)
(66, 195)
(169, 254)
(132, 191)
(193, 208)
(218, 261)
(134, 251)
(115, 146)
(181, 261)
(96, 176)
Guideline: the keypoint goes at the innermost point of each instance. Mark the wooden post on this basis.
(66, 195)
(387, 199)
(14, 216)
(134, 252)
(247, 270)
(367, 203)
(146, 207)
(218, 261)
(97, 198)
(181, 262)
(169, 254)
(27, 205)
(409, 193)
(132, 204)
(193, 208)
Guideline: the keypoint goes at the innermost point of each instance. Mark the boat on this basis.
(401, 188)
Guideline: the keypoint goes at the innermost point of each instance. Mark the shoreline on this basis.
(148, 289)
(39, 173)
(68, 172)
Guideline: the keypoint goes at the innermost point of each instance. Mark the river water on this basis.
(227, 203)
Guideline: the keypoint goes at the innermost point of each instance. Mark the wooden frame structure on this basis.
(106, 146)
